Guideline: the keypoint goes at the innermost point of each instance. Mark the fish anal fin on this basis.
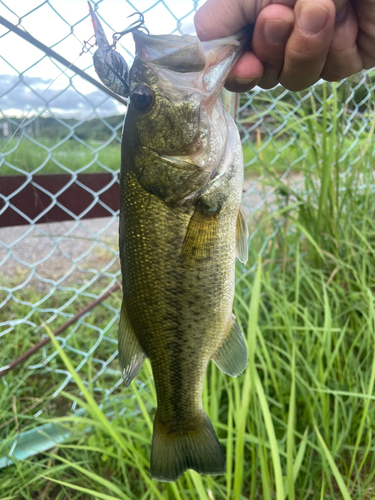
(131, 354)
(200, 236)
(242, 235)
(231, 357)
(197, 448)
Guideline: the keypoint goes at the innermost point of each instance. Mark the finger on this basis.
(365, 11)
(249, 70)
(272, 30)
(217, 19)
(220, 18)
(245, 74)
(308, 45)
(343, 58)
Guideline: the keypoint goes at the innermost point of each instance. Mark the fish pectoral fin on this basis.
(131, 354)
(200, 235)
(242, 235)
(231, 357)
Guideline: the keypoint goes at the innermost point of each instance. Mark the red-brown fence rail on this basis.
(57, 197)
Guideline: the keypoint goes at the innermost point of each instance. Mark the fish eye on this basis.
(142, 98)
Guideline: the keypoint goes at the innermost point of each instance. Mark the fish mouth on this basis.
(182, 54)
(187, 54)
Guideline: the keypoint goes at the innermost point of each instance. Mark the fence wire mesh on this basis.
(50, 271)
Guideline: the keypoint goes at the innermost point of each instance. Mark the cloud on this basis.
(19, 94)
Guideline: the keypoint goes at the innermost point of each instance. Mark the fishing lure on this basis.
(109, 65)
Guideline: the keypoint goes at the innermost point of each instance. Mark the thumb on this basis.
(220, 18)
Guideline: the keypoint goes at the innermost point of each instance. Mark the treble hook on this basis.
(134, 26)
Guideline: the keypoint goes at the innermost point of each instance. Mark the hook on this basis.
(134, 26)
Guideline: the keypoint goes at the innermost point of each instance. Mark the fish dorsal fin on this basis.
(242, 235)
(200, 235)
(131, 354)
(231, 357)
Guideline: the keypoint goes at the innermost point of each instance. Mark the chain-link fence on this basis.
(50, 271)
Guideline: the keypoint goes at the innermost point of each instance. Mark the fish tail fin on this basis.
(195, 448)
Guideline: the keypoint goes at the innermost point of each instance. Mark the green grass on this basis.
(298, 424)
(50, 158)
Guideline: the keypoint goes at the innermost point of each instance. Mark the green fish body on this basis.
(181, 228)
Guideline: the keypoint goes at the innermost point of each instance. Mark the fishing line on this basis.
(39, 99)
(47, 50)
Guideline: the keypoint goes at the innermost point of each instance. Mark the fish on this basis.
(181, 228)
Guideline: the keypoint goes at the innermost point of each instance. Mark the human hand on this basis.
(295, 42)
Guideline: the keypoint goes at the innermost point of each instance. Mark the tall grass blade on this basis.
(290, 431)
(336, 473)
(229, 450)
(242, 410)
(198, 483)
(91, 493)
(271, 437)
(300, 455)
(91, 475)
(366, 404)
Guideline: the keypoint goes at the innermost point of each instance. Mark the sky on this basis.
(26, 72)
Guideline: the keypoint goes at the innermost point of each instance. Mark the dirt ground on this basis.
(60, 251)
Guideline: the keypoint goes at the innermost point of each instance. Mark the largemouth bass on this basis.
(181, 228)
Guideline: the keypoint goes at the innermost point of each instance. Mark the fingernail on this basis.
(276, 31)
(243, 81)
(312, 18)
